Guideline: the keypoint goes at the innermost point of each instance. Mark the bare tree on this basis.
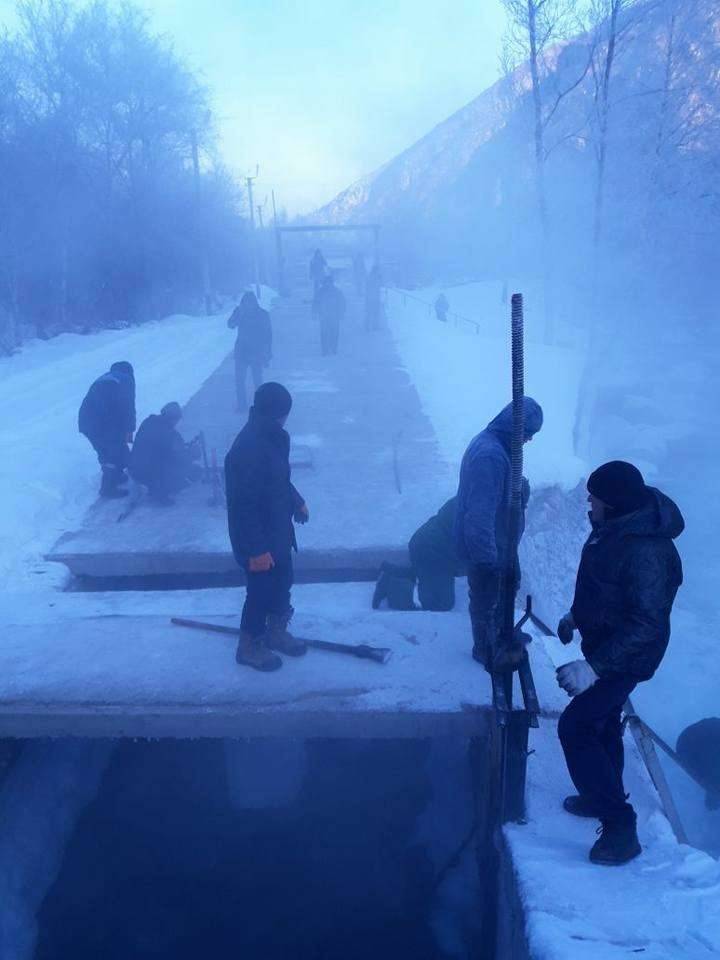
(535, 35)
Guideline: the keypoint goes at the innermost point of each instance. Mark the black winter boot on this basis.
(110, 485)
(618, 842)
(580, 807)
(395, 584)
(278, 637)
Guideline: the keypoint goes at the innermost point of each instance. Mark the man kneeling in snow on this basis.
(160, 458)
(629, 574)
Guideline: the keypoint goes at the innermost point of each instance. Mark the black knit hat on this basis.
(620, 485)
(172, 410)
(123, 367)
(273, 400)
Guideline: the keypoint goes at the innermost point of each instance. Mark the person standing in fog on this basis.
(441, 308)
(262, 504)
(629, 574)
(359, 273)
(107, 418)
(253, 344)
(373, 298)
(330, 308)
(481, 525)
(318, 270)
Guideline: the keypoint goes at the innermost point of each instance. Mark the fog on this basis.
(311, 222)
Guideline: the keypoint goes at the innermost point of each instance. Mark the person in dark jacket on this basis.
(262, 504)
(330, 309)
(359, 273)
(107, 418)
(160, 459)
(441, 308)
(433, 565)
(318, 271)
(698, 747)
(253, 344)
(629, 574)
(481, 524)
(373, 298)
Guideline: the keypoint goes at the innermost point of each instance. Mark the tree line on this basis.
(113, 206)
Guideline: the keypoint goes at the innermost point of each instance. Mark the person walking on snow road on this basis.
(107, 418)
(253, 344)
(318, 271)
(481, 525)
(629, 574)
(373, 298)
(262, 504)
(330, 308)
(441, 308)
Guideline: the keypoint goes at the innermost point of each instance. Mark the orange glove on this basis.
(261, 564)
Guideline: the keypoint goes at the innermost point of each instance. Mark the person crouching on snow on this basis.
(262, 504)
(629, 574)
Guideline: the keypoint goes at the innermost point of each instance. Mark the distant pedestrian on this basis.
(253, 344)
(107, 418)
(359, 273)
(160, 459)
(262, 504)
(481, 525)
(330, 308)
(629, 574)
(373, 298)
(318, 271)
(441, 308)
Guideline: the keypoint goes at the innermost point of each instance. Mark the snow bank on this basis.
(463, 376)
(48, 474)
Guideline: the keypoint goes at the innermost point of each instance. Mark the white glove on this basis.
(576, 677)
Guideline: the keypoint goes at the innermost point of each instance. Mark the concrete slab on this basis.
(365, 456)
(97, 665)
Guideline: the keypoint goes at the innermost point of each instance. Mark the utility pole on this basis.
(278, 251)
(200, 224)
(253, 237)
(261, 244)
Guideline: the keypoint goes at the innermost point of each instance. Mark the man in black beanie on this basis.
(262, 504)
(630, 572)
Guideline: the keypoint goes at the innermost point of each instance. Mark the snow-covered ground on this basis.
(48, 474)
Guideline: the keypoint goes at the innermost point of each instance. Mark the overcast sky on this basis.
(321, 92)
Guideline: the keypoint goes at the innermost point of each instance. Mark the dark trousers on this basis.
(113, 457)
(267, 593)
(590, 732)
(484, 586)
(436, 587)
(329, 335)
(242, 365)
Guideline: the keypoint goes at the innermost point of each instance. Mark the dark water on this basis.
(165, 864)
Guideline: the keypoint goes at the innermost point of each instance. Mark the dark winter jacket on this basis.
(108, 411)
(260, 497)
(318, 267)
(158, 451)
(481, 525)
(432, 546)
(330, 303)
(629, 574)
(254, 332)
